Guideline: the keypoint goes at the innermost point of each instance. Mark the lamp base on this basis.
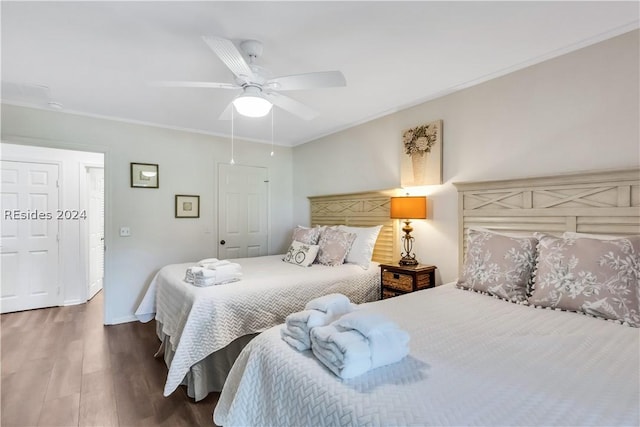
(407, 260)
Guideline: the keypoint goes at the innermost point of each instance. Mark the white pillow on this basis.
(362, 248)
(301, 254)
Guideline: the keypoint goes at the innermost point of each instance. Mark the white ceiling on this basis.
(98, 58)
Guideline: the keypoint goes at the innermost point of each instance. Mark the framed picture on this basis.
(422, 159)
(144, 175)
(187, 206)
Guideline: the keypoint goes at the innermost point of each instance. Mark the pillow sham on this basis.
(592, 276)
(306, 235)
(301, 254)
(498, 265)
(362, 248)
(334, 246)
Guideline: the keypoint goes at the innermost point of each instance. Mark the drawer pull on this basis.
(396, 276)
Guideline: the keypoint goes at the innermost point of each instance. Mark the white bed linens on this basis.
(200, 321)
(474, 360)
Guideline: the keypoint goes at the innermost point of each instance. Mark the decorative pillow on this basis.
(362, 249)
(334, 246)
(593, 276)
(498, 265)
(301, 254)
(306, 235)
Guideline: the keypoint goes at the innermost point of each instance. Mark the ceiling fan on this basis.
(259, 91)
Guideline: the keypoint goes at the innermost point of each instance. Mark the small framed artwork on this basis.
(144, 175)
(187, 206)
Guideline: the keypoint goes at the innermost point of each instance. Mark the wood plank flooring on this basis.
(62, 367)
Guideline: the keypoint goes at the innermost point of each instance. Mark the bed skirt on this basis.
(209, 374)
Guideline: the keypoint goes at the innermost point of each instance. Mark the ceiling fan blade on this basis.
(230, 55)
(291, 105)
(213, 85)
(308, 81)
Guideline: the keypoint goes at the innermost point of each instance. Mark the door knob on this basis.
(222, 242)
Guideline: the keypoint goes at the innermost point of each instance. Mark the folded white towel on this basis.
(190, 274)
(296, 341)
(215, 265)
(202, 262)
(297, 327)
(318, 312)
(204, 272)
(225, 272)
(357, 342)
(331, 303)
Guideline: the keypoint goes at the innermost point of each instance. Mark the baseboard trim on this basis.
(123, 319)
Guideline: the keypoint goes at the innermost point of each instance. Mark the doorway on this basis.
(62, 218)
(94, 228)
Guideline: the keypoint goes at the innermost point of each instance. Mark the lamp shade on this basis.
(409, 207)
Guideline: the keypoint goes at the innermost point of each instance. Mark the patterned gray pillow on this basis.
(334, 246)
(306, 235)
(593, 276)
(498, 265)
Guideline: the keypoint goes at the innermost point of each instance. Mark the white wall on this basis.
(72, 274)
(576, 112)
(187, 165)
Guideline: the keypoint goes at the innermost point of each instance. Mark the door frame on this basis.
(85, 246)
(108, 221)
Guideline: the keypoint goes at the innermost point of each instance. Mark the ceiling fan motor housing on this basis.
(252, 48)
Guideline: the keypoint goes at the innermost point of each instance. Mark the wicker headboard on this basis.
(600, 202)
(360, 210)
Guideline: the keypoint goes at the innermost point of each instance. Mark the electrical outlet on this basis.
(125, 232)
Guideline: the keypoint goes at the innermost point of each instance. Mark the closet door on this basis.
(29, 236)
(242, 211)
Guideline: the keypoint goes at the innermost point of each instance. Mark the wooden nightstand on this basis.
(403, 279)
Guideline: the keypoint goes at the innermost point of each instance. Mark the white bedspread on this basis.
(474, 360)
(200, 321)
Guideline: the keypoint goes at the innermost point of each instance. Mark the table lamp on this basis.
(407, 208)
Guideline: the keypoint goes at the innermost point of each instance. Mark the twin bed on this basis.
(477, 359)
(203, 329)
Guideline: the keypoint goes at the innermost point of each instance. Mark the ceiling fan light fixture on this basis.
(252, 105)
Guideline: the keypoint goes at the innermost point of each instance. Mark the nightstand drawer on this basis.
(399, 281)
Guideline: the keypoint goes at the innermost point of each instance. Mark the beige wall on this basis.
(576, 112)
(188, 164)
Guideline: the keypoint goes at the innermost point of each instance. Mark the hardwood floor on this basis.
(62, 367)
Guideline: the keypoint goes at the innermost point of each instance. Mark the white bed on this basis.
(202, 320)
(474, 359)
(203, 329)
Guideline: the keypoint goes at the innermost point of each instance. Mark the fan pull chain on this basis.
(232, 161)
(272, 112)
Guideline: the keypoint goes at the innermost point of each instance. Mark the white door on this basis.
(29, 237)
(95, 217)
(242, 211)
